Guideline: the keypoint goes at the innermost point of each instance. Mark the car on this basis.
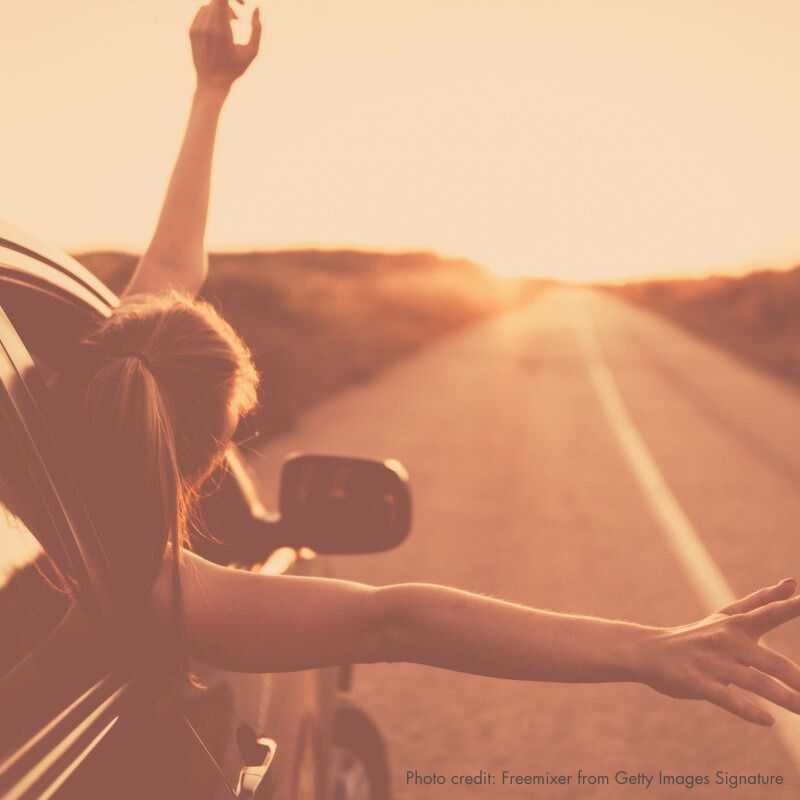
(75, 721)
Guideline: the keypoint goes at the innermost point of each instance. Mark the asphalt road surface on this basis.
(585, 456)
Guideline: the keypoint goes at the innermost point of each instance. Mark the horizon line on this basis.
(701, 273)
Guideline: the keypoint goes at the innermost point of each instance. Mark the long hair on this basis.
(149, 406)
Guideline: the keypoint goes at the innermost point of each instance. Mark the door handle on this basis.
(251, 777)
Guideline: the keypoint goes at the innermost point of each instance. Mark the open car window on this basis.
(50, 322)
(31, 604)
(46, 642)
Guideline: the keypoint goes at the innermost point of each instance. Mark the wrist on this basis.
(215, 93)
(636, 652)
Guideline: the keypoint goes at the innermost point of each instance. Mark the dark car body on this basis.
(72, 722)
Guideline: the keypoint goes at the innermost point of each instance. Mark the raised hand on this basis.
(721, 658)
(218, 60)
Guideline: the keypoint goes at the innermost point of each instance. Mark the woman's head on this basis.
(155, 396)
(171, 360)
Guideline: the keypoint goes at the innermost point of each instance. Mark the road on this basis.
(563, 456)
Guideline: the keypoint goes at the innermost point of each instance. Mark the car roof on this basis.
(34, 261)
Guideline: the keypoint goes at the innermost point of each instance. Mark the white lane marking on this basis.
(705, 575)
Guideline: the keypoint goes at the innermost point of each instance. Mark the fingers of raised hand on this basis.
(735, 702)
(223, 9)
(199, 21)
(780, 591)
(213, 20)
(255, 32)
(219, 19)
(220, 9)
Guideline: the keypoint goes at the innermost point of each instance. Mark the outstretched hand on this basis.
(722, 659)
(218, 60)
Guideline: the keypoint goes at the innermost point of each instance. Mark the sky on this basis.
(570, 138)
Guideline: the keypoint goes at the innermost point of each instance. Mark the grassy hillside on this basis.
(756, 316)
(320, 320)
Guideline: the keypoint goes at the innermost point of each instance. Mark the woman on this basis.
(160, 389)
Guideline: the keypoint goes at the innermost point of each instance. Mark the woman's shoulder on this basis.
(168, 592)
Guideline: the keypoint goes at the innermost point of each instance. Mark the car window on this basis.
(31, 605)
(46, 644)
(50, 323)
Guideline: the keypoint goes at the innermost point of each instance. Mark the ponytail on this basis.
(138, 498)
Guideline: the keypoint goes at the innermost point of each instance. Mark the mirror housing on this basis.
(334, 504)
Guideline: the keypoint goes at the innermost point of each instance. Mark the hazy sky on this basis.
(575, 138)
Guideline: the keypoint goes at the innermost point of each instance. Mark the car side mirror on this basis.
(344, 505)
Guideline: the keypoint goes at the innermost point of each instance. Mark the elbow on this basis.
(176, 272)
(188, 276)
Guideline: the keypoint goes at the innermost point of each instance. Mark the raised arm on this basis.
(176, 256)
(249, 622)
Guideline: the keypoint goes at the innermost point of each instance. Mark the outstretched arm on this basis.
(175, 257)
(254, 623)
